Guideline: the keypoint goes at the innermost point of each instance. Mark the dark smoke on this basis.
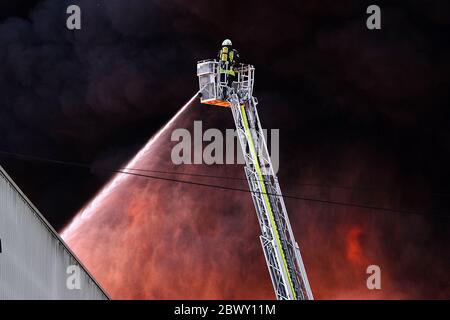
(355, 108)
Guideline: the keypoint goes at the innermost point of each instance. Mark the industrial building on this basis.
(35, 263)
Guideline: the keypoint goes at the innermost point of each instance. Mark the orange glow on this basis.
(219, 103)
(150, 239)
(354, 250)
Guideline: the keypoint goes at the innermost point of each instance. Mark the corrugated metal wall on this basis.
(33, 258)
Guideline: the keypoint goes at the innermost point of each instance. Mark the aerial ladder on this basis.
(281, 251)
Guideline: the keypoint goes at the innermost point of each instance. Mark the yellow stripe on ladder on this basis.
(264, 193)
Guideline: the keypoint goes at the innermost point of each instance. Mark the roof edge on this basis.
(50, 228)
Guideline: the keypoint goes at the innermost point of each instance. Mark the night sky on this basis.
(359, 108)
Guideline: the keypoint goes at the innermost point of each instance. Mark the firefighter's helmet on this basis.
(227, 42)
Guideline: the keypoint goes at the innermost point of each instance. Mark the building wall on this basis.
(34, 260)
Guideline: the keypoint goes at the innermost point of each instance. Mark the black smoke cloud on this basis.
(355, 107)
(82, 95)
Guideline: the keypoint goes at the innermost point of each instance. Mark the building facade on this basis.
(35, 263)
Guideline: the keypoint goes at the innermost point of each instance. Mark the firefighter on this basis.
(228, 58)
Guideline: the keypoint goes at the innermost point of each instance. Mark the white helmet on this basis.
(227, 42)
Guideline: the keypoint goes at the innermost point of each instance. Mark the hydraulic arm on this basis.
(281, 251)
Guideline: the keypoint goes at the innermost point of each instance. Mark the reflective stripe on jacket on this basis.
(229, 71)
